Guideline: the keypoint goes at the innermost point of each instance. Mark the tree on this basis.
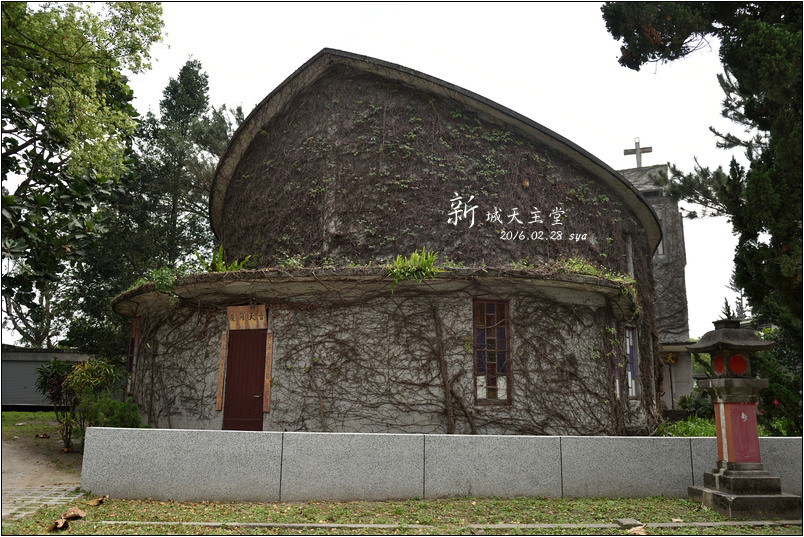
(159, 218)
(37, 325)
(50, 383)
(739, 305)
(174, 160)
(67, 120)
(761, 54)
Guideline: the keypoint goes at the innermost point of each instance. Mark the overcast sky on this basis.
(553, 63)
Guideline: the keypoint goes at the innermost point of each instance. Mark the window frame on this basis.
(476, 374)
(660, 250)
(632, 361)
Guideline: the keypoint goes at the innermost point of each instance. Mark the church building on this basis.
(537, 318)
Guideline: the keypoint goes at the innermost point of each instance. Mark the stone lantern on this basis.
(739, 487)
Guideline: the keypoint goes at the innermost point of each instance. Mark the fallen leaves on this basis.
(98, 501)
(59, 524)
(70, 514)
(73, 512)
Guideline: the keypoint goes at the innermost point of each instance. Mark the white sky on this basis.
(554, 63)
(551, 62)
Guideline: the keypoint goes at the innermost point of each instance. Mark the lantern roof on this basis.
(728, 335)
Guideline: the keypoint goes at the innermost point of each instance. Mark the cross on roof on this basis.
(637, 150)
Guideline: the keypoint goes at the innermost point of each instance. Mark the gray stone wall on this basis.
(274, 466)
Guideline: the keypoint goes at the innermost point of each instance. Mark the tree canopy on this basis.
(158, 220)
(761, 55)
(66, 127)
(67, 122)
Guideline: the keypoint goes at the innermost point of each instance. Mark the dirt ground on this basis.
(35, 462)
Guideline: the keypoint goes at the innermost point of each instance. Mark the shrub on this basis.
(108, 412)
(692, 426)
(695, 426)
(91, 381)
(73, 389)
(419, 266)
(698, 403)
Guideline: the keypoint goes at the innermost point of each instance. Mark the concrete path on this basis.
(31, 480)
(18, 502)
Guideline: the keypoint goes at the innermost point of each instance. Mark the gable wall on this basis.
(359, 170)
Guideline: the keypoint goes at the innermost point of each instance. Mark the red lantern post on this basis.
(739, 487)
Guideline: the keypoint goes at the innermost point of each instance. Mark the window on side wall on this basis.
(629, 255)
(492, 353)
(632, 361)
(660, 247)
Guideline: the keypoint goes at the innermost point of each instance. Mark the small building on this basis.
(19, 375)
(541, 321)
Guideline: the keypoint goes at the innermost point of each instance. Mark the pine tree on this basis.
(761, 54)
(160, 218)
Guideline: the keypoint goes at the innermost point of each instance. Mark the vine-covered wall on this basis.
(358, 169)
(404, 363)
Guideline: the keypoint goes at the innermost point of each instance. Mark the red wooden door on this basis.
(245, 371)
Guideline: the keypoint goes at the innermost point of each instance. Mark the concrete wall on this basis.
(170, 464)
(19, 374)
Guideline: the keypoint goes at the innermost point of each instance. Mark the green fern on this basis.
(217, 264)
(418, 267)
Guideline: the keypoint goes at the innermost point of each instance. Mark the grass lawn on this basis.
(448, 516)
(29, 424)
(38, 433)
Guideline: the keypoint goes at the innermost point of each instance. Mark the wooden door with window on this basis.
(245, 367)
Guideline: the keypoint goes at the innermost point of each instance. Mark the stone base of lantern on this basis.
(746, 491)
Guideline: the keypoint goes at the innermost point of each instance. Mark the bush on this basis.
(108, 412)
(695, 426)
(779, 407)
(50, 382)
(692, 426)
(698, 403)
(74, 389)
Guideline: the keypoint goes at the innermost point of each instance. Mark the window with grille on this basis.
(492, 351)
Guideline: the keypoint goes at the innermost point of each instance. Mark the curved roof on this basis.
(327, 58)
